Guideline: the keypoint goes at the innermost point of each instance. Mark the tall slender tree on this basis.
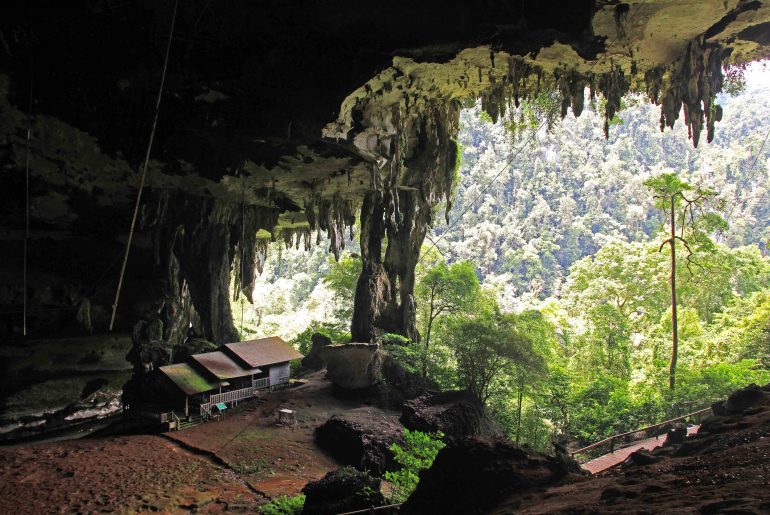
(690, 222)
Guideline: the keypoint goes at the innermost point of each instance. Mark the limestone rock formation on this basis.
(474, 475)
(457, 414)
(313, 359)
(342, 490)
(280, 121)
(361, 438)
(353, 366)
(399, 385)
(742, 400)
(291, 120)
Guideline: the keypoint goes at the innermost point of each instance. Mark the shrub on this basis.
(418, 454)
(285, 505)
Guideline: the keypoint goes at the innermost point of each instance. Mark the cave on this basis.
(309, 123)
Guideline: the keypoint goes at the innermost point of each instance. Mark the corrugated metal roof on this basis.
(188, 379)
(263, 352)
(222, 366)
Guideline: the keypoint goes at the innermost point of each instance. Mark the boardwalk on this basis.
(607, 461)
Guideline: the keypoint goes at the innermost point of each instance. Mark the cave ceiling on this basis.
(274, 103)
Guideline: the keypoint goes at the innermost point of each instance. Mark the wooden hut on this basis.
(234, 372)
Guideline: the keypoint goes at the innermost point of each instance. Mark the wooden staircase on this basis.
(193, 421)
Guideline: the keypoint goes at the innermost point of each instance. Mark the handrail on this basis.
(372, 509)
(621, 435)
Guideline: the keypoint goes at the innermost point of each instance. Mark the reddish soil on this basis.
(123, 474)
(233, 464)
(275, 459)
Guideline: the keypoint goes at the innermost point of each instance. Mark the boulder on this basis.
(676, 435)
(342, 490)
(400, 384)
(640, 457)
(313, 359)
(353, 366)
(455, 413)
(474, 475)
(740, 400)
(361, 438)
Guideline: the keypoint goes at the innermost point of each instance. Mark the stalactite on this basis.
(420, 172)
(572, 87)
(334, 214)
(613, 85)
(692, 83)
(200, 243)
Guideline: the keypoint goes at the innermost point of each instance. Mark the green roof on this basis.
(188, 379)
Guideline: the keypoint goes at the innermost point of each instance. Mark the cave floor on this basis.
(727, 472)
(233, 464)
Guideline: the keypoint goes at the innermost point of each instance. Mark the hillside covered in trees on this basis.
(555, 271)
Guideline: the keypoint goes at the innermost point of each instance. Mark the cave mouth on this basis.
(491, 219)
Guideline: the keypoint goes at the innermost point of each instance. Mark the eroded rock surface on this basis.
(313, 359)
(361, 438)
(353, 366)
(342, 490)
(456, 414)
(474, 475)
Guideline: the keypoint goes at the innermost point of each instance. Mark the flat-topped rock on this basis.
(353, 366)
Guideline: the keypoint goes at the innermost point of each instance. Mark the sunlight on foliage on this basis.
(417, 454)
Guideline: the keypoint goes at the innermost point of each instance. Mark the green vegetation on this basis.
(550, 295)
(418, 453)
(284, 505)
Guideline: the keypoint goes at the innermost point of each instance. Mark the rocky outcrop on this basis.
(353, 366)
(342, 490)
(361, 438)
(474, 475)
(399, 385)
(313, 360)
(741, 400)
(456, 414)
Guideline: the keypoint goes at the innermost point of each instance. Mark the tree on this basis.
(445, 290)
(689, 224)
(487, 346)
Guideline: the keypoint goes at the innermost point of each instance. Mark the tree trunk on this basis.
(518, 415)
(674, 328)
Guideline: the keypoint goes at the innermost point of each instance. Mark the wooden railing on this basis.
(611, 439)
(261, 383)
(169, 417)
(234, 395)
(393, 507)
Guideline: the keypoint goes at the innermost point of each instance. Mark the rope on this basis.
(26, 195)
(144, 167)
(516, 153)
(756, 156)
(243, 238)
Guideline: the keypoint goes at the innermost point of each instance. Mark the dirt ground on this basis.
(233, 464)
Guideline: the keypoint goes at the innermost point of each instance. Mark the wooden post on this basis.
(186, 406)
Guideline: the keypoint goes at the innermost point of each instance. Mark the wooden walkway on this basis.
(612, 459)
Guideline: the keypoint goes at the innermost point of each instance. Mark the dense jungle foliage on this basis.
(548, 294)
